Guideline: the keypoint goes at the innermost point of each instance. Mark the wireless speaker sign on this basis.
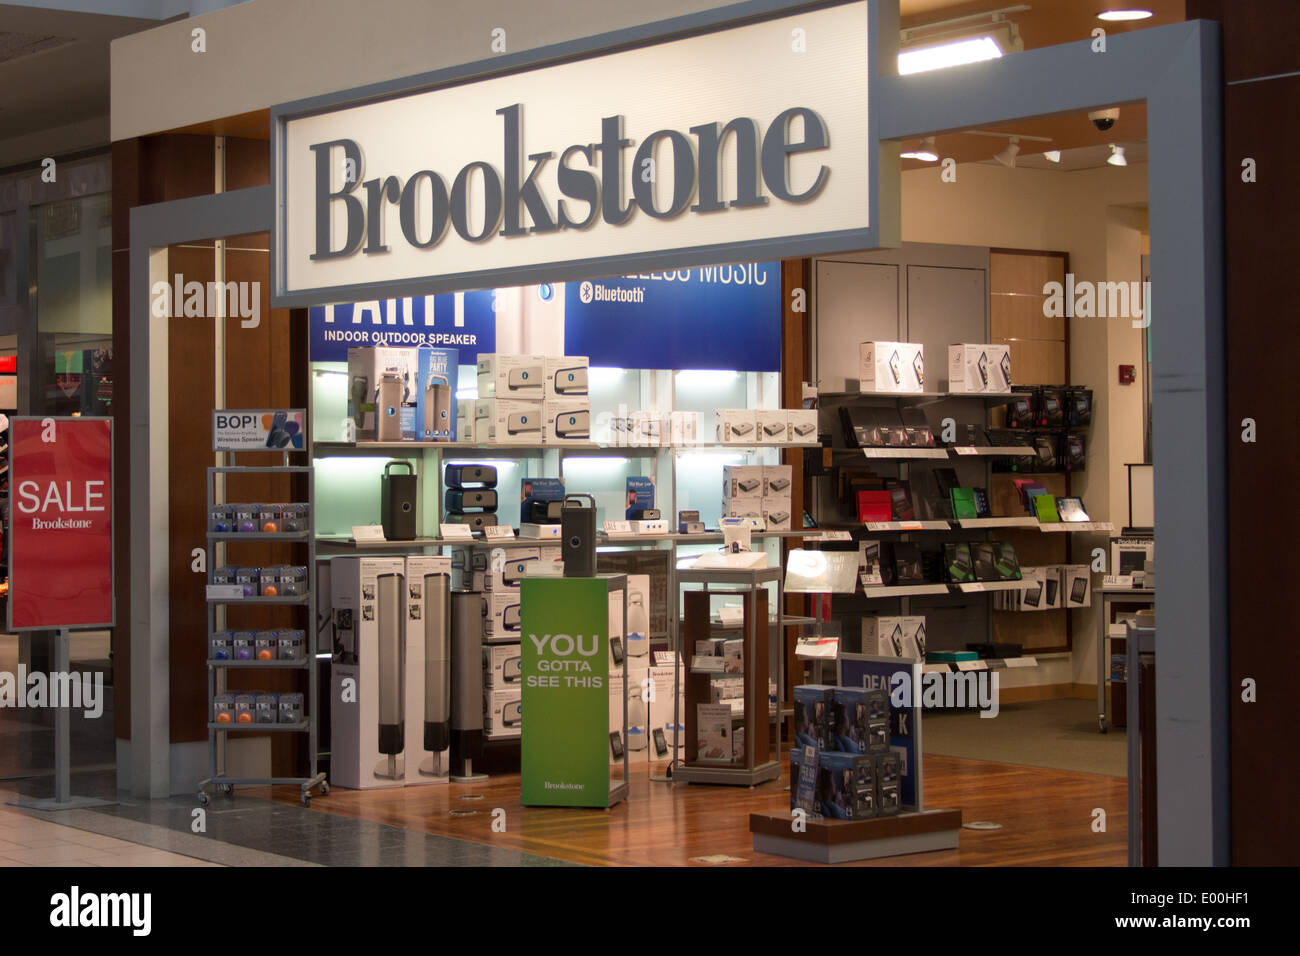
(61, 523)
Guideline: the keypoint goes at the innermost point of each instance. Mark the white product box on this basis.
(512, 376)
(1076, 585)
(566, 376)
(777, 512)
(424, 572)
(891, 367)
(1053, 599)
(369, 605)
(509, 421)
(550, 553)
(638, 714)
(777, 480)
(735, 426)
(638, 620)
(979, 368)
(772, 426)
(503, 713)
(713, 733)
(645, 427)
(501, 621)
(466, 419)
(663, 719)
(801, 425)
(683, 428)
(566, 421)
(742, 481)
(383, 389)
(893, 636)
(502, 666)
(616, 731)
(742, 507)
(518, 563)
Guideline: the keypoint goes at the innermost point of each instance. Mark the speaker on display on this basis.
(464, 476)
(466, 682)
(397, 501)
(578, 536)
(458, 499)
(437, 407)
(437, 670)
(388, 407)
(390, 615)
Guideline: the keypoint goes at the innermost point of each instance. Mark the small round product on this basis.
(270, 526)
(245, 718)
(223, 717)
(247, 526)
(264, 655)
(270, 591)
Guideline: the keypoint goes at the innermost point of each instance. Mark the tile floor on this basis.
(28, 841)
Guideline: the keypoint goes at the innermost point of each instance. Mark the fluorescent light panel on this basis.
(944, 55)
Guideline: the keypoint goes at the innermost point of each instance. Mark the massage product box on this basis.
(428, 669)
(891, 367)
(735, 426)
(435, 405)
(370, 740)
(519, 377)
(383, 392)
(566, 420)
(566, 377)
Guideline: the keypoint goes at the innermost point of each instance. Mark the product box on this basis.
(617, 700)
(667, 716)
(742, 481)
(503, 713)
(435, 400)
(566, 377)
(511, 376)
(637, 737)
(370, 739)
(813, 710)
(771, 425)
(502, 617)
(428, 655)
(801, 425)
(509, 421)
(892, 636)
(566, 420)
(466, 417)
(713, 733)
(776, 480)
(638, 620)
(979, 368)
(383, 392)
(889, 774)
(1053, 599)
(640, 496)
(891, 367)
(735, 426)
(1076, 585)
(518, 563)
(742, 508)
(502, 666)
(777, 512)
(645, 427)
(683, 428)
(860, 719)
(852, 785)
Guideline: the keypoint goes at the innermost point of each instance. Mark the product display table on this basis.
(841, 841)
(1108, 597)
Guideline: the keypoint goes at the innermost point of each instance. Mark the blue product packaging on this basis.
(851, 786)
(640, 495)
(812, 715)
(435, 400)
(849, 713)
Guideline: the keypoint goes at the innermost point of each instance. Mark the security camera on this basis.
(1104, 119)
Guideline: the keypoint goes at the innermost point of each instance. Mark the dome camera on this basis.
(1104, 119)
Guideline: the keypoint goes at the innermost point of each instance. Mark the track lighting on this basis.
(925, 152)
(1007, 156)
(1117, 156)
(1052, 155)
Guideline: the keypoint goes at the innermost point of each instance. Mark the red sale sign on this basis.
(60, 523)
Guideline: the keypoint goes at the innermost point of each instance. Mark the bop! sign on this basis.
(61, 523)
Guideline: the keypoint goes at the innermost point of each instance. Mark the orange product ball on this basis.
(223, 717)
(245, 718)
(270, 526)
(270, 591)
(264, 655)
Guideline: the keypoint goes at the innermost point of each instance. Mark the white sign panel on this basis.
(259, 429)
(697, 150)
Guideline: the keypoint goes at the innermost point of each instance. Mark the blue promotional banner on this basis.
(886, 673)
(716, 317)
(429, 320)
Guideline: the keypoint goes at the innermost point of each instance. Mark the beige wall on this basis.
(1095, 215)
(272, 51)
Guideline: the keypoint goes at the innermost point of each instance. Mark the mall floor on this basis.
(1045, 814)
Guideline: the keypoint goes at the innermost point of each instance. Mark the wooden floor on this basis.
(1046, 817)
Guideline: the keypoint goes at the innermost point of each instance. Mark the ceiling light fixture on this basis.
(1119, 16)
(925, 152)
(1007, 156)
(1052, 155)
(959, 41)
(1117, 156)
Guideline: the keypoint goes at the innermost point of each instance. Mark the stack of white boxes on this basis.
(765, 426)
(1049, 587)
(742, 491)
(776, 497)
(529, 399)
(893, 636)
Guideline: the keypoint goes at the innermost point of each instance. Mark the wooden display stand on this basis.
(842, 841)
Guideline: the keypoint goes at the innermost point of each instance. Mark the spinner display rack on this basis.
(219, 734)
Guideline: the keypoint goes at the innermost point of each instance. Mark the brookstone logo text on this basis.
(82, 691)
(590, 175)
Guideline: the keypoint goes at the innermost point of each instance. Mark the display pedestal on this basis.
(843, 841)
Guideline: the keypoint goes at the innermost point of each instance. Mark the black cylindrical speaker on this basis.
(392, 663)
(578, 536)
(397, 502)
(437, 663)
(467, 674)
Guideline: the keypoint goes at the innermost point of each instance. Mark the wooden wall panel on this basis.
(1020, 316)
(1040, 353)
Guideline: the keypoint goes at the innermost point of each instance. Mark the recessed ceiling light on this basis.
(1052, 155)
(1122, 15)
(1117, 156)
(925, 152)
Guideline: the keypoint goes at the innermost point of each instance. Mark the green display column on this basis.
(565, 747)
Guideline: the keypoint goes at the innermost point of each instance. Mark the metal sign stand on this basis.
(63, 799)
